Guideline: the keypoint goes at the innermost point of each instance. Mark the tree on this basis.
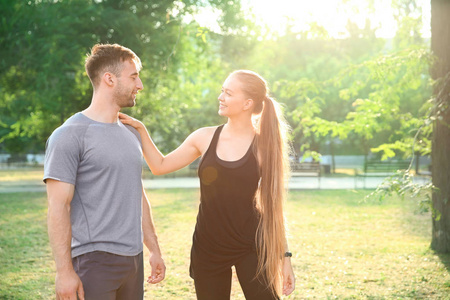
(43, 45)
(440, 45)
(397, 83)
(299, 64)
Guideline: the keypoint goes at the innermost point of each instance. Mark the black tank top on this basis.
(227, 218)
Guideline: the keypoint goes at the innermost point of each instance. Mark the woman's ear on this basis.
(248, 104)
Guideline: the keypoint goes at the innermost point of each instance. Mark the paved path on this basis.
(324, 183)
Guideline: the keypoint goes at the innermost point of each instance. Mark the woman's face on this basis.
(232, 100)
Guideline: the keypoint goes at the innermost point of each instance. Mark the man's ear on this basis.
(109, 79)
(248, 104)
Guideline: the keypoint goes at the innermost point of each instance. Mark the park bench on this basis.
(306, 169)
(17, 160)
(377, 168)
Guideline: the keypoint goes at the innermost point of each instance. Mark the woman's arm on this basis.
(288, 277)
(187, 152)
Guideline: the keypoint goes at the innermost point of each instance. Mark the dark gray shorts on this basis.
(108, 276)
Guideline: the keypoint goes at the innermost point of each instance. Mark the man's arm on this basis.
(151, 242)
(59, 195)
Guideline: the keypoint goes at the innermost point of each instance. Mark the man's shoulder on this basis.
(134, 131)
(73, 127)
(131, 128)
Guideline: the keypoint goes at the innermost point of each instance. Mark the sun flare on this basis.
(333, 15)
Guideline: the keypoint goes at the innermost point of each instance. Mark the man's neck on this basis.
(102, 110)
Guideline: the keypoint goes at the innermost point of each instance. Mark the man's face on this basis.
(128, 85)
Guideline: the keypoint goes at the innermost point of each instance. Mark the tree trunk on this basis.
(440, 154)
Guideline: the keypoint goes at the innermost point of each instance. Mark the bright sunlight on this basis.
(333, 15)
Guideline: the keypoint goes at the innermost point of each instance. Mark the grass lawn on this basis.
(15, 175)
(342, 248)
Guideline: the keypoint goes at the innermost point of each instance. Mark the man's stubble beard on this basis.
(123, 98)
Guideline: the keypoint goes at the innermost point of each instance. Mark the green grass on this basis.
(15, 175)
(342, 248)
(25, 256)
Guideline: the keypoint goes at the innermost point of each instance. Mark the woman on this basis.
(242, 175)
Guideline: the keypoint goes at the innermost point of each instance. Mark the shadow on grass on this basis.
(445, 259)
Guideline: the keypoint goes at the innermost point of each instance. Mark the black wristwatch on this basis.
(287, 254)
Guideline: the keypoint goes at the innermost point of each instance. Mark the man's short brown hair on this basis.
(108, 58)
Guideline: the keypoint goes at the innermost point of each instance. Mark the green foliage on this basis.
(377, 98)
(43, 46)
(385, 110)
(402, 184)
(184, 98)
(335, 90)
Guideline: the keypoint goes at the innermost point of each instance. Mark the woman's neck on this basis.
(240, 126)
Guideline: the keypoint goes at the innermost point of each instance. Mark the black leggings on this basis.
(218, 287)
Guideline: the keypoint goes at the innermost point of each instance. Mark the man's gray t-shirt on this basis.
(104, 163)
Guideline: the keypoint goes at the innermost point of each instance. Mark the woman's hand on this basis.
(288, 277)
(126, 119)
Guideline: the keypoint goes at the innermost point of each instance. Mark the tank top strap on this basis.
(215, 139)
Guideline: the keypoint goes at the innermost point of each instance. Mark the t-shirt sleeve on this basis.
(62, 155)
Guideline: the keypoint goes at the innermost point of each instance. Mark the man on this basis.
(98, 213)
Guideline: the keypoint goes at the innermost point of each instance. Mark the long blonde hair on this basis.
(271, 149)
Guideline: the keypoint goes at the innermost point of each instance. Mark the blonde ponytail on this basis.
(270, 236)
(272, 152)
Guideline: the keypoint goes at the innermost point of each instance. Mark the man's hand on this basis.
(68, 285)
(158, 269)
